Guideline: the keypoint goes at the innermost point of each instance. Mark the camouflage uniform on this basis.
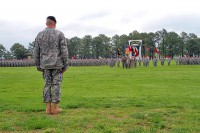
(139, 62)
(123, 62)
(50, 54)
(155, 60)
(134, 62)
(177, 60)
(162, 60)
(118, 62)
(168, 61)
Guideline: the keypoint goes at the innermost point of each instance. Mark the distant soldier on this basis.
(123, 62)
(134, 62)
(155, 60)
(118, 62)
(146, 61)
(110, 63)
(162, 61)
(139, 61)
(177, 60)
(51, 55)
(128, 61)
(143, 61)
(168, 61)
(131, 63)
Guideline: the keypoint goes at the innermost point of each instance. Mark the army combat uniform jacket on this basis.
(50, 49)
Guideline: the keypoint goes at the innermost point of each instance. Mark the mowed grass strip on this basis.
(104, 99)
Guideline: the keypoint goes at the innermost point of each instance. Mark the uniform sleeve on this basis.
(36, 52)
(64, 49)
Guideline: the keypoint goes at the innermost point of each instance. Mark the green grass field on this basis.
(104, 100)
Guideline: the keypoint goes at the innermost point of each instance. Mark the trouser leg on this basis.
(56, 83)
(47, 86)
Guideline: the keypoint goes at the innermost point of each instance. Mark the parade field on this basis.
(103, 99)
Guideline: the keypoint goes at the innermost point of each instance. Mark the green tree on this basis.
(19, 51)
(121, 42)
(87, 46)
(149, 41)
(161, 37)
(96, 46)
(197, 52)
(184, 38)
(74, 47)
(30, 48)
(105, 46)
(192, 45)
(2, 51)
(8, 55)
(169, 43)
(116, 40)
(173, 42)
(135, 35)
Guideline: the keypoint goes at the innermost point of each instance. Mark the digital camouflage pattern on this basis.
(50, 55)
(52, 78)
(50, 49)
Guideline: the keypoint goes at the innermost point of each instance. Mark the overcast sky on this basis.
(21, 20)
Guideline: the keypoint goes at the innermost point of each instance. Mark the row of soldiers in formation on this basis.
(126, 62)
(16, 63)
(89, 62)
(71, 62)
(130, 63)
(187, 60)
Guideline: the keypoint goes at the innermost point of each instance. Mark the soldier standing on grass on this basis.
(134, 62)
(168, 61)
(51, 55)
(162, 60)
(155, 60)
(139, 62)
(123, 62)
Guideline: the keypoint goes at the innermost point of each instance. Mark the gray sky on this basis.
(21, 20)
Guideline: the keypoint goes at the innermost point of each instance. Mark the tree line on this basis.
(168, 43)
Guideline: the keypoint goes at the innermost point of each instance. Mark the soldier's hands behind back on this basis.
(64, 69)
(39, 69)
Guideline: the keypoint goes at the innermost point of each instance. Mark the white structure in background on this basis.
(136, 46)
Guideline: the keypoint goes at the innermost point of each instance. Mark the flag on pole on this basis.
(156, 50)
(130, 49)
(136, 51)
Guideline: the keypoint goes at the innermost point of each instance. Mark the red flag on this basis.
(168, 56)
(147, 49)
(130, 49)
(136, 51)
(156, 50)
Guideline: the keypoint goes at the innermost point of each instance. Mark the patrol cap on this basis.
(52, 18)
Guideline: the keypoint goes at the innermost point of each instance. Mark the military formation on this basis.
(124, 62)
(89, 62)
(16, 63)
(187, 61)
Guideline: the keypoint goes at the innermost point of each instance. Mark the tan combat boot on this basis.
(48, 108)
(55, 110)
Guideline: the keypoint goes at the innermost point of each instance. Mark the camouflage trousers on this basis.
(53, 80)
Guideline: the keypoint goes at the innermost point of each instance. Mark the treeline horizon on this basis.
(168, 43)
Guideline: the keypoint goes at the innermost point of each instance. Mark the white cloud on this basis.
(21, 20)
